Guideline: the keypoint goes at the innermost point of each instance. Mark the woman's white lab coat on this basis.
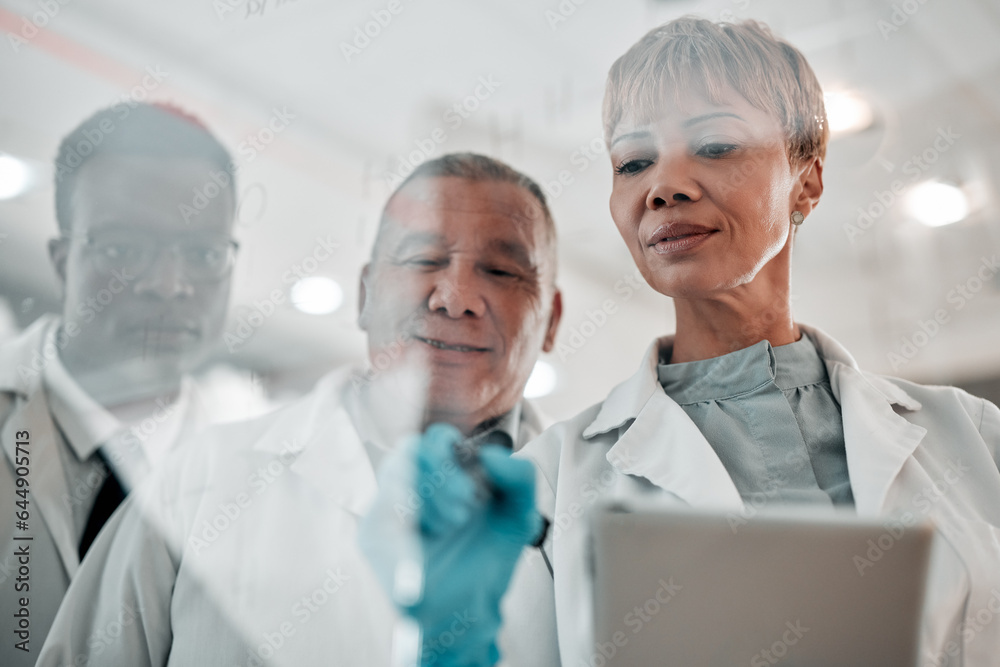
(929, 452)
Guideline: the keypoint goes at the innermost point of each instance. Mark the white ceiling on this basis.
(326, 174)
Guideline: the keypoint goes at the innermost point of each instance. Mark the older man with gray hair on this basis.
(244, 549)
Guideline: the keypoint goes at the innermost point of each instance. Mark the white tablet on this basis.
(689, 588)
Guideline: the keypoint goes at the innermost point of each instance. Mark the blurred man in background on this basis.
(245, 550)
(91, 399)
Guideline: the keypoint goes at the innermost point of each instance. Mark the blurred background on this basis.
(908, 226)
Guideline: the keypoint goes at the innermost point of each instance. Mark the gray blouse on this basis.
(771, 417)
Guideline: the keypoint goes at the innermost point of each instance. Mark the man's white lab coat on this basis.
(242, 550)
(929, 451)
(39, 569)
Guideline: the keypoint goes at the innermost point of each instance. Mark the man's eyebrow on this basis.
(638, 134)
(113, 225)
(413, 240)
(709, 116)
(514, 250)
(129, 230)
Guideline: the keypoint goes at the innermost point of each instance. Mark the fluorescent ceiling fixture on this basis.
(848, 112)
(936, 204)
(542, 380)
(317, 295)
(15, 176)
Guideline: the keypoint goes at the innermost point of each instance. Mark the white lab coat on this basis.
(241, 550)
(55, 475)
(930, 451)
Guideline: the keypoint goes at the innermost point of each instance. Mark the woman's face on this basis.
(702, 195)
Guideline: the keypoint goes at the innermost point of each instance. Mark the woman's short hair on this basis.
(691, 54)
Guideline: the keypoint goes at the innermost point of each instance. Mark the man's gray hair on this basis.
(476, 167)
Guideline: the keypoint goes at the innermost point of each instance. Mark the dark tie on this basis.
(108, 499)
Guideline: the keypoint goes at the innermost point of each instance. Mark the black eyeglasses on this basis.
(202, 258)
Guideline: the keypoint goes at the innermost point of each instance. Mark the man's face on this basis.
(461, 287)
(143, 284)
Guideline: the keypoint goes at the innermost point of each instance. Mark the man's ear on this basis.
(809, 186)
(363, 315)
(58, 254)
(554, 317)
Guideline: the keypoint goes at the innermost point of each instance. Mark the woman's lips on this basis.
(668, 246)
(678, 238)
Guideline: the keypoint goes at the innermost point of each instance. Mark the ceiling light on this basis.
(542, 381)
(15, 177)
(317, 295)
(848, 112)
(936, 204)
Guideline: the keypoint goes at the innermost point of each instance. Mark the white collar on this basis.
(627, 399)
(21, 359)
(662, 444)
(319, 441)
(85, 423)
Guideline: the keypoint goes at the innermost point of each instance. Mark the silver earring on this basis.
(797, 217)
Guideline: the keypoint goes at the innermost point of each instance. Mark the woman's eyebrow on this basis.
(709, 116)
(638, 134)
(644, 134)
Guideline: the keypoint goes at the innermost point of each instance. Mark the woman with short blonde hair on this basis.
(717, 135)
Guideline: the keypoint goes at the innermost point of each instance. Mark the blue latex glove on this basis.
(466, 542)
